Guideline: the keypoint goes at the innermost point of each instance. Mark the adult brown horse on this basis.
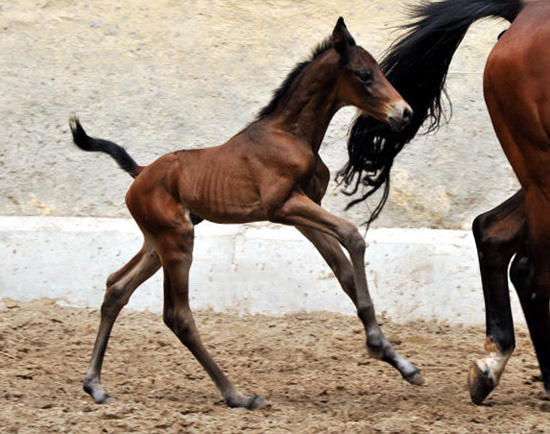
(270, 171)
(517, 93)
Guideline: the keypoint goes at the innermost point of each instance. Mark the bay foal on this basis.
(270, 171)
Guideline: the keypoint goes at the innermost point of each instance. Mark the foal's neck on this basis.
(312, 101)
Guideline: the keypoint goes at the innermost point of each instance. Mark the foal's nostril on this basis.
(407, 116)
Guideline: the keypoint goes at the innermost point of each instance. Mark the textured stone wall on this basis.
(164, 75)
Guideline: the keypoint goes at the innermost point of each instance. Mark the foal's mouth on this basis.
(397, 125)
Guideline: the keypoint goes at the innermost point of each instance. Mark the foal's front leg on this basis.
(315, 222)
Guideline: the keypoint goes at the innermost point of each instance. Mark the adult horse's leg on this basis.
(330, 250)
(531, 277)
(497, 234)
(517, 94)
(175, 247)
(301, 211)
(120, 287)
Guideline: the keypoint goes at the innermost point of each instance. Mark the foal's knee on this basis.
(112, 279)
(352, 239)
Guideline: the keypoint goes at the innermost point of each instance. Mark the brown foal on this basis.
(270, 171)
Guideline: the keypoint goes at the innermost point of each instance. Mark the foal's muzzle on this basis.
(401, 117)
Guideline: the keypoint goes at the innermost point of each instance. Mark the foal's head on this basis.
(363, 85)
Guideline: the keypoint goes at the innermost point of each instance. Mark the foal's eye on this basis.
(364, 76)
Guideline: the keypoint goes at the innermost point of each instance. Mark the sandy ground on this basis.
(312, 369)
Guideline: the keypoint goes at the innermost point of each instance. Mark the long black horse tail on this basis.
(90, 144)
(416, 65)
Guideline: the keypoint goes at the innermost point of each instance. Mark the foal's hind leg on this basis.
(497, 234)
(334, 256)
(120, 286)
(175, 246)
(299, 210)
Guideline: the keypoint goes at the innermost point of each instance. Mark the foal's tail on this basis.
(87, 143)
(416, 65)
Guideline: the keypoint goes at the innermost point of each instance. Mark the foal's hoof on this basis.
(106, 399)
(98, 394)
(480, 383)
(415, 378)
(255, 402)
(248, 402)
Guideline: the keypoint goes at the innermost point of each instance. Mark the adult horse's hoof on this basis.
(415, 378)
(480, 383)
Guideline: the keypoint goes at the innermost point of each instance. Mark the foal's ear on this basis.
(343, 41)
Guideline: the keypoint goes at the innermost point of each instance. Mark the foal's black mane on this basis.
(416, 65)
(278, 95)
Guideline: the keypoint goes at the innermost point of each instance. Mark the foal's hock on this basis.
(270, 171)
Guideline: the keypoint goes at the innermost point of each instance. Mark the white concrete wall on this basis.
(413, 273)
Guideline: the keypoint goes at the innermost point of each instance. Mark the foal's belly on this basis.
(221, 196)
(219, 212)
